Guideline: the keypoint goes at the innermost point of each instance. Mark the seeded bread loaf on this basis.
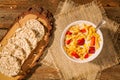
(25, 42)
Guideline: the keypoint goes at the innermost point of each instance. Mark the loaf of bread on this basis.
(19, 47)
(23, 45)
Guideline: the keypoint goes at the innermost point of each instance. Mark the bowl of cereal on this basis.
(81, 42)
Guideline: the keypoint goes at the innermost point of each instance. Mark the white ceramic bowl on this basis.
(97, 52)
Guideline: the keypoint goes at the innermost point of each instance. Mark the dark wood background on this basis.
(10, 9)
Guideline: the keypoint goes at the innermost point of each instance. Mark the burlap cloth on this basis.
(68, 12)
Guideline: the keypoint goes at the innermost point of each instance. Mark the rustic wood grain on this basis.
(10, 9)
(2, 33)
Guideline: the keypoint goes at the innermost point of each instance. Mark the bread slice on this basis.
(19, 48)
(40, 32)
(13, 50)
(37, 27)
(22, 43)
(33, 31)
(19, 54)
(8, 49)
(29, 35)
(9, 65)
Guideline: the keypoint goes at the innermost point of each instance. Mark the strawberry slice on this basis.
(81, 41)
(68, 41)
(74, 54)
(92, 50)
(86, 55)
(92, 43)
(68, 33)
(83, 30)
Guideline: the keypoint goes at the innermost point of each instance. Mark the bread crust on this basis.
(46, 19)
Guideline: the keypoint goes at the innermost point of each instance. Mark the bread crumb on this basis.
(11, 7)
(0, 45)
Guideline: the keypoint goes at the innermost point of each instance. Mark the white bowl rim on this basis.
(93, 55)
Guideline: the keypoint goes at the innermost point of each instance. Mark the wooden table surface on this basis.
(10, 9)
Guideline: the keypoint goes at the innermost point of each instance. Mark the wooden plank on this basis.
(18, 2)
(14, 7)
(8, 16)
(2, 33)
(4, 15)
(6, 25)
(6, 19)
